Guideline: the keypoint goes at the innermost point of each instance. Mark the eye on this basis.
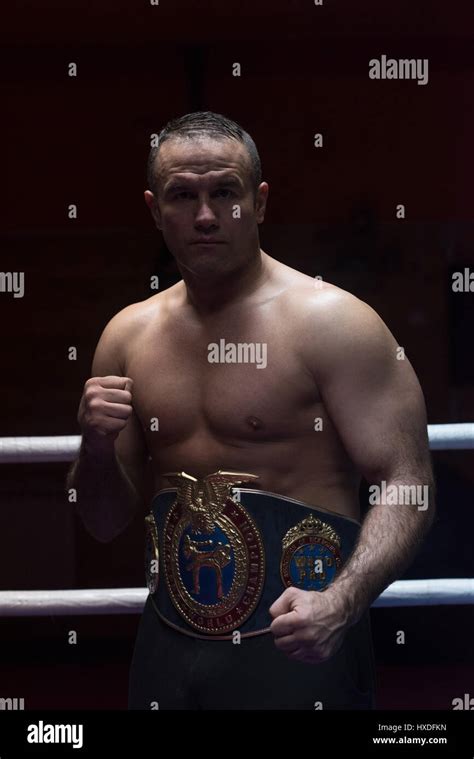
(185, 193)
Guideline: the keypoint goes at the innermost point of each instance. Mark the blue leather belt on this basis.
(218, 555)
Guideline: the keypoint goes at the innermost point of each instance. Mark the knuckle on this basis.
(90, 393)
(93, 403)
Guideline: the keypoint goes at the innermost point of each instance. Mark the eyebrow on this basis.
(183, 185)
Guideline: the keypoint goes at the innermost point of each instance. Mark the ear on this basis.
(261, 201)
(152, 204)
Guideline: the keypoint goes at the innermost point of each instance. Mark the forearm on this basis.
(388, 541)
(106, 499)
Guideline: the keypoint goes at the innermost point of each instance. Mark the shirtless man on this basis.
(334, 400)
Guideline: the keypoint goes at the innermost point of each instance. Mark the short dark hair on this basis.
(209, 124)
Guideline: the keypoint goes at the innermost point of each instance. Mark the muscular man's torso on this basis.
(235, 416)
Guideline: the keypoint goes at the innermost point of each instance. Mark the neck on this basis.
(212, 292)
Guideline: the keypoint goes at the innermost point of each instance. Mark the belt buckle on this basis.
(213, 553)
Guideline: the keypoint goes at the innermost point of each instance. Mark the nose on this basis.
(205, 216)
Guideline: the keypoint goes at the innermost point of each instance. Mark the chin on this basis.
(208, 269)
(206, 265)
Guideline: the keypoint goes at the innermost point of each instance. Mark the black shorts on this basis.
(171, 670)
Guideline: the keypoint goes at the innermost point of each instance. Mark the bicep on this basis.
(375, 401)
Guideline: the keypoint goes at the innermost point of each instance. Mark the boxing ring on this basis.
(18, 450)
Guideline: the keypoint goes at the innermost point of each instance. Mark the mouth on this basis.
(207, 242)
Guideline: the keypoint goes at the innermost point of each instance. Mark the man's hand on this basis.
(309, 626)
(104, 410)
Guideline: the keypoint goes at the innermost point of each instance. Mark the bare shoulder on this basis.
(129, 327)
(331, 325)
(324, 305)
(337, 309)
(138, 316)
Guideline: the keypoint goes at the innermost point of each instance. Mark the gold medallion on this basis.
(310, 555)
(213, 554)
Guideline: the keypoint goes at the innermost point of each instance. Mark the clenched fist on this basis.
(309, 626)
(104, 410)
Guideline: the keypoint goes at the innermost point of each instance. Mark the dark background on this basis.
(331, 212)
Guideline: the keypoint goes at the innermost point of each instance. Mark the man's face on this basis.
(205, 193)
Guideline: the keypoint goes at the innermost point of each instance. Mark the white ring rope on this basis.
(27, 450)
(132, 600)
(436, 592)
(444, 437)
(36, 603)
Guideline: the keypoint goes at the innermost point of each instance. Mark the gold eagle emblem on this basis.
(202, 500)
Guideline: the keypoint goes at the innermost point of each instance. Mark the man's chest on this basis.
(233, 384)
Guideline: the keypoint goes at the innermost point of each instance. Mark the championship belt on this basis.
(216, 560)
